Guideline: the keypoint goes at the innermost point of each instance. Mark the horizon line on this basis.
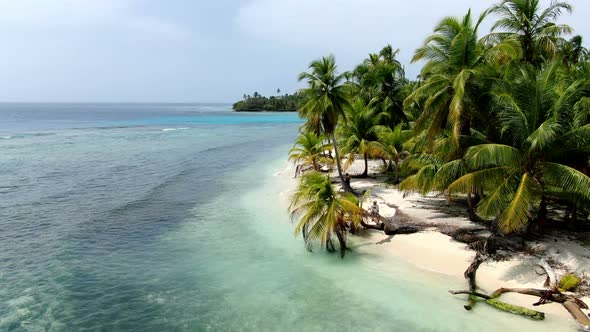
(115, 102)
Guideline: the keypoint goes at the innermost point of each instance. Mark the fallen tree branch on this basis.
(511, 308)
(483, 296)
(574, 309)
(485, 247)
(551, 281)
(469, 274)
(572, 304)
(378, 227)
(515, 309)
(550, 295)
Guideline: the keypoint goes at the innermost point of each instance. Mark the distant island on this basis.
(278, 103)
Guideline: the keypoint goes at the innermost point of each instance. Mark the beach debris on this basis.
(551, 294)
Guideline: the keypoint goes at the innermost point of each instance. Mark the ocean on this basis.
(172, 217)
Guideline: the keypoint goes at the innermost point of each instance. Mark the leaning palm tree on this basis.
(359, 134)
(517, 178)
(310, 148)
(533, 26)
(323, 212)
(327, 100)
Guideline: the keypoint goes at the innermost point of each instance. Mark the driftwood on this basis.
(387, 225)
(573, 307)
(378, 227)
(514, 309)
(301, 168)
(470, 235)
(470, 275)
(572, 304)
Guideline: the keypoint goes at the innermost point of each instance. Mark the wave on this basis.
(186, 172)
(174, 129)
(25, 135)
(108, 127)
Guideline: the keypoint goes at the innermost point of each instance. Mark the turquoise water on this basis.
(173, 218)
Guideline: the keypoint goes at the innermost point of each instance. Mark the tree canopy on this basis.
(501, 119)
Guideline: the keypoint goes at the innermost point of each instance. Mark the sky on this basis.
(204, 51)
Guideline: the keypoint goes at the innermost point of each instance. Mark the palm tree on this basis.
(327, 101)
(532, 26)
(380, 81)
(323, 212)
(517, 178)
(572, 51)
(453, 95)
(359, 134)
(432, 169)
(310, 148)
(453, 77)
(390, 145)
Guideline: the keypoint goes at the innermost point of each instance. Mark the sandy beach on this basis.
(433, 251)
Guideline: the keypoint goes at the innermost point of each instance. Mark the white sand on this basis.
(438, 253)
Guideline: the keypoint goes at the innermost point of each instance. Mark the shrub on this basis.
(569, 282)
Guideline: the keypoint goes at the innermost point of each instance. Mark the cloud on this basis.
(353, 28)
(38, 13)
(344, 24)
(64, 15)
(153, 28)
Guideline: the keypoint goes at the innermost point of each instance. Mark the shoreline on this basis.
(434, 252)
(264, 111)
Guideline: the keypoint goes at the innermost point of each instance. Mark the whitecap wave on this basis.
(173, 129)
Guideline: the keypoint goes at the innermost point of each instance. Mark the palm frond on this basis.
(523, 204)
(493, 155)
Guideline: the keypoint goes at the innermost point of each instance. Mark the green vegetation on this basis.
(328, 98)
(514, 309)
(323, 212)
(310, 149)
(501, 119)
(279, 103)
(357, 136)
(569, 282)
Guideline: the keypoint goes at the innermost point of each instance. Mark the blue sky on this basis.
(202, 51)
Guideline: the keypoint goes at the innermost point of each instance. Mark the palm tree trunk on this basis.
(366, 172)
(340, 233)
(471, 208)
(396, 179)
(345, 185)
(542, 215)
(329, 244)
